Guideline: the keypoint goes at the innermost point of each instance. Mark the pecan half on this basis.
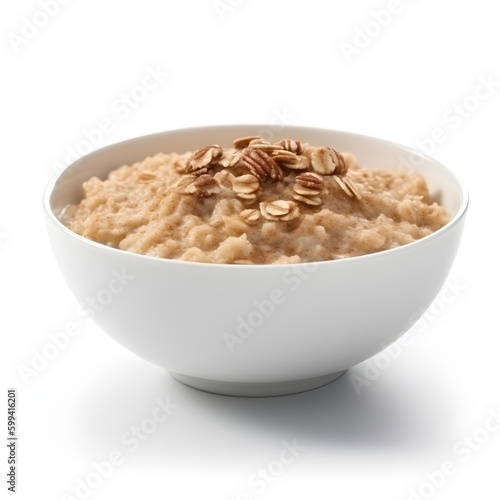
(328, 161)
(293, 146)
(310, 180)
(202, 158)
(261, 165)
(203, 187)
(279, 210)
(307, 188)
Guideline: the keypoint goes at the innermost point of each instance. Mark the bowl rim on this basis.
(455, 220)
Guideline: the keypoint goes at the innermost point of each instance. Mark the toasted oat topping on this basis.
(308, 186)
(203, 186)
(246, 186)
(285, 158)
(230, 159)
(250, 216)
(265, 146)
(293, 146)
(348, 186)
(327, 161)
(243, 142)
(202, 158)
(279, 210)
(261, 165)
(253, 162)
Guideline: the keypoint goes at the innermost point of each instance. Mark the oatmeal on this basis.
(255, 203)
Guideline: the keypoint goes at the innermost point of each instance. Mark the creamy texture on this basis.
(176, 206)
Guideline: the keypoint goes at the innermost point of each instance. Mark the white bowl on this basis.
(255, 330)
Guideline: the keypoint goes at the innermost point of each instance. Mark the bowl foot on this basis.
(257, 389)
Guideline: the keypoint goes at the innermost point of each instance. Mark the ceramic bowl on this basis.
(255, 330)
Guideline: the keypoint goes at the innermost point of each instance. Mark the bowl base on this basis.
(257, 389)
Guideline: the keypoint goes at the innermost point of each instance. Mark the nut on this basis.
(243, 142)
(293, 146)
(279, 210)
(307, 188)
(310, 180)
(202, 158)
(261, 165)
(250, 216)
(203, 187)
(327, 161)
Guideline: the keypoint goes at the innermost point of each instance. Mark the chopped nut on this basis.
(310, 180)
(250, 216)
(328, 161)
(202, 158)
(203, 187)
(261, 165)
(243, 142)
(146, 176)
(293, 146)
(279, 210)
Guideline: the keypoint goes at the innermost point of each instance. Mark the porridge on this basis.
(255, 203)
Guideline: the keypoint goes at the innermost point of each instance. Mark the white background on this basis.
(269, 62)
